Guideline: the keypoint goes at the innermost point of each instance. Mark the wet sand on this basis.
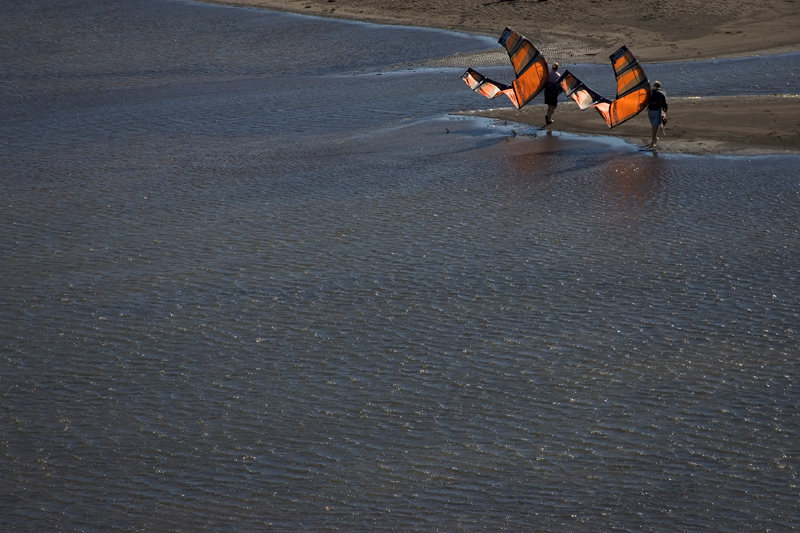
(588, 30)
(715, 125)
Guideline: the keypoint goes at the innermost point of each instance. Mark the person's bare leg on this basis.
(549, 117)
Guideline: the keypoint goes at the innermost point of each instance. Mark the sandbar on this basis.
(587, 31)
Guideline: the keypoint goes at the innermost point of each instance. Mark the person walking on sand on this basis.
(551, 90)
(657, 110)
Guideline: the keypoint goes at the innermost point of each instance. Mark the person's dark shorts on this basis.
(551, 99)
(655, 117)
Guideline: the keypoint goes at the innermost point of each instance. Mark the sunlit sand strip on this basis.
(560, 52)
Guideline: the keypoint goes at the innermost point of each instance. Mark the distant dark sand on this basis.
(656, 30)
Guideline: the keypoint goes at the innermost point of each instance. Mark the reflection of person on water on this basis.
(551, 90)
(657, 110)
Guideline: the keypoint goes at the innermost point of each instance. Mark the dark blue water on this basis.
(254, 277)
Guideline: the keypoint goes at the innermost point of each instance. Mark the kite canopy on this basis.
(529, 65)
(633, 90)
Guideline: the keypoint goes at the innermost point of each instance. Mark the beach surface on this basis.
(745, 125)
(657, 30)
(589, 30)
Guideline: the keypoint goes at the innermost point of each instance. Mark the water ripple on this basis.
(229, 298)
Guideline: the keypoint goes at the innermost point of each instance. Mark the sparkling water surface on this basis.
(255, 276)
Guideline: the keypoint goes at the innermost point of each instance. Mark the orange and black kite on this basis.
(633, 90)
(529, 65)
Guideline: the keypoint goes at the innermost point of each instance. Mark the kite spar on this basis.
(529, 65)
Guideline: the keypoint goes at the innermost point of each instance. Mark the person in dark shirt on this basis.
(551, 90)
(657, 110)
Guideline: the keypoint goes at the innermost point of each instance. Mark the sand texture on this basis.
(732, 125)
(589, 29)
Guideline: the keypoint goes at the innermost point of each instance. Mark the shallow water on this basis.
(257, 281)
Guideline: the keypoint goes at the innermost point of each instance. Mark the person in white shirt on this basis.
(551, 90)
(657, 110)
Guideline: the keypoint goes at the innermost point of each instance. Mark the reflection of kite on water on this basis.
(529, 65)
(633, 89)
